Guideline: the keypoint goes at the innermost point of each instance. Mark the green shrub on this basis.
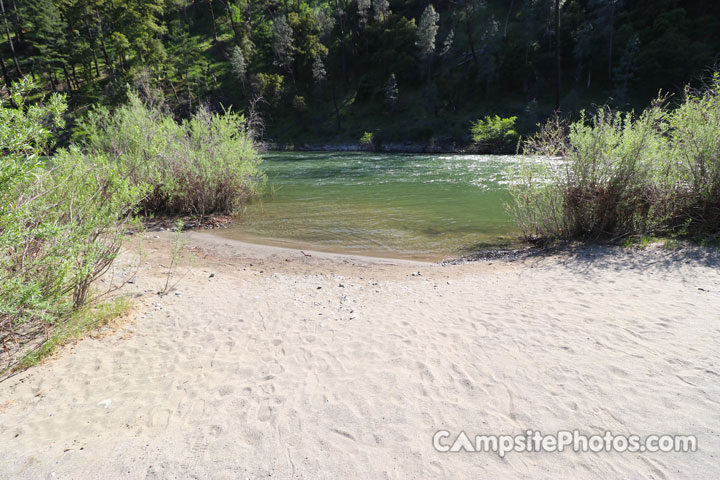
(61, 221)
(299, 104)
(204, 165)
(495, 133)
(617, 175)
(367, 140)
(269, 86)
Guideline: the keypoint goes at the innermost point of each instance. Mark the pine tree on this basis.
(363, 8)
(624, 72)
(318, 71)
(9, 38)
(391, 92)
(381, 10)
(48, 36)
(447, 44)
(239, 67)
(6, 76)
(602, 17)
(282, 44)
(427, 31)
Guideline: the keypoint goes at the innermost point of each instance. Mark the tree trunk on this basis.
(94, 54)
(172, 85)
(468, 28)
(67, 77)
(337, 110)
(343, 61)
(74, 77)
(16, 24)
(214, 25)
(108, 63)
(10, 42)
(557, 56)
(248, 18)
(612, 34)
(8, 83)
(233, 26)
(53, 84)
(507, 19)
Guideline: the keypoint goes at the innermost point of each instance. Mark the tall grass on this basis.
(615, 175)
(204, 165)
(78, 324)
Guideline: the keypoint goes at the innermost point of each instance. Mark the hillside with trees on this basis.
(328, 71)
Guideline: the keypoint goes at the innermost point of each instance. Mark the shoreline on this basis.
(635, 255)
(212, 239)
(216, 225)
(212, 234)
(388, 147)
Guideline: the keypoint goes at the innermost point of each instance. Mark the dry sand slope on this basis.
(288, 366)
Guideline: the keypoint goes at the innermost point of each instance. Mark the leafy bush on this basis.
(618, 175)
(367, 140)
(495, 133)
(269, 86)
(204, 165)
(61, 221)
(299, 104)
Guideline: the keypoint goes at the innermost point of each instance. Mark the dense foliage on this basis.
(408, 69)
(63, 217)
(207, 164)
(495, 133)
(614, 175)
(61, 220)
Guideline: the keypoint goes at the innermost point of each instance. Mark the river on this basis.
(392, 205)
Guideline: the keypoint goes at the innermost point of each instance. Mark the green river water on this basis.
(392, 205)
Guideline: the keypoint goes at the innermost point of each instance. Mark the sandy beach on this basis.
(275, 363)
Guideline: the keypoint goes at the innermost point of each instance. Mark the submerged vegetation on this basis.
(63, 217)
(616, 175)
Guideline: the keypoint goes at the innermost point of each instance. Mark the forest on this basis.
(328, 71)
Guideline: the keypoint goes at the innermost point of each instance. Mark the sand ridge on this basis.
(271, 363)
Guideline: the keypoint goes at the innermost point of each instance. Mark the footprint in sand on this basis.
(160, 418)
(265, 411)
(225, 390)
(268, 389)
(318, 400)
(425, 373)
(196, 452)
